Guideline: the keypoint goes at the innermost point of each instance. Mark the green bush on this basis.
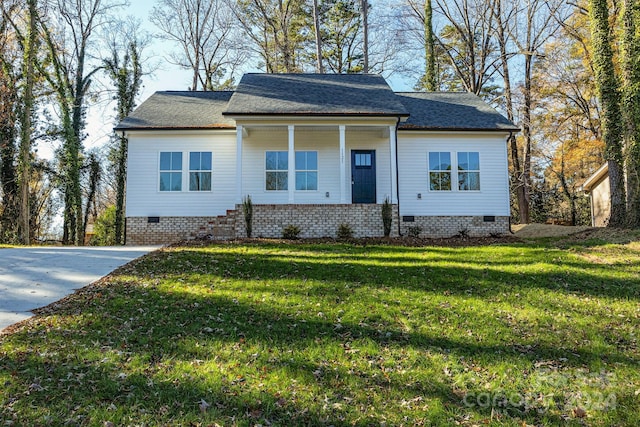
(105, 228)
(414, 231)
(463, 233)
(247, 210)
(387, 216)
(291, 232)
(344, 231)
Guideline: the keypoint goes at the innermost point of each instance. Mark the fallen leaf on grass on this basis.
(579, 413)
(203, 405)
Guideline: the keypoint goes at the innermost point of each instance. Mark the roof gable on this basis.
(596, 177)
(314, 95)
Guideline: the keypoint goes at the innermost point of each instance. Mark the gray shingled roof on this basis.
(451, 111)
(314, 95)
(180, 110)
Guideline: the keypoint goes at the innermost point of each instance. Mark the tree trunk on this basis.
(10, 212)
(25, 125)
(316, 28)
(94, 177)
(9, 188)
(365, 36)
(526, 134)
(120, 190)
(508, 99)
(608, 91)
(631, 112)
(77, 147)
(562, 177)
(430, 82)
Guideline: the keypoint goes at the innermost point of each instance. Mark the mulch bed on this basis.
(455, 241)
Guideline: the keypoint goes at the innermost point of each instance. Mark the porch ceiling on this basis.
(316, 127)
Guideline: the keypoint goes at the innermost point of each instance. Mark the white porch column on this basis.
(291, 184)
(343, 176)
(238, 164)
(394, 163)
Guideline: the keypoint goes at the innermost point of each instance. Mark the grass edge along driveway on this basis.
(540, 333)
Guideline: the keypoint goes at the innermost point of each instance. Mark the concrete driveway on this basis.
(32, 277)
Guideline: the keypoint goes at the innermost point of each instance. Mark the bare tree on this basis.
(535, 23)
(276, 28)
(383, 48)
(467, 41)
(206, 34)
(69, 35)
(124, 69)
(503, 27)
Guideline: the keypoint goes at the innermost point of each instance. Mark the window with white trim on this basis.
(469, 171)
(276, 170)
(170, 171)
(200, 166)
(306, 170)
(440, 171)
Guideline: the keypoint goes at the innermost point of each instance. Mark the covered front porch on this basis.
(316, 162)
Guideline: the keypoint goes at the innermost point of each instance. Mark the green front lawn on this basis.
(335, 334)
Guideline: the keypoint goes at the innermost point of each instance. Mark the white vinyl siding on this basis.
(145, 199)
(143, 195)
(417, 199)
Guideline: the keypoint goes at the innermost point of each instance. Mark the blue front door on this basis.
(363, 176)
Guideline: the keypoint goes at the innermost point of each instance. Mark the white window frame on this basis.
(449, 171)
(210, 171)
(161, 171)
(459, 171)
(285, 171)
(306, 170)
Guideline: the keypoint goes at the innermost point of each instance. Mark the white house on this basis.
(316, 151)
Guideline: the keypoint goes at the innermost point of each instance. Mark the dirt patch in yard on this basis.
(547, 230)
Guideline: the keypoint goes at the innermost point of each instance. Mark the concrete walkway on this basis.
(32, 277)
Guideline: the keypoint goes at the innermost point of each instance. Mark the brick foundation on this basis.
(171, 229)
(321, 220)
(448, 226)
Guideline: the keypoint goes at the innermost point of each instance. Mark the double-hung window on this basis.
(277, 170)
(170, 171)
(469, 171)
(306, 170)
(440, 171)
(200, 171)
